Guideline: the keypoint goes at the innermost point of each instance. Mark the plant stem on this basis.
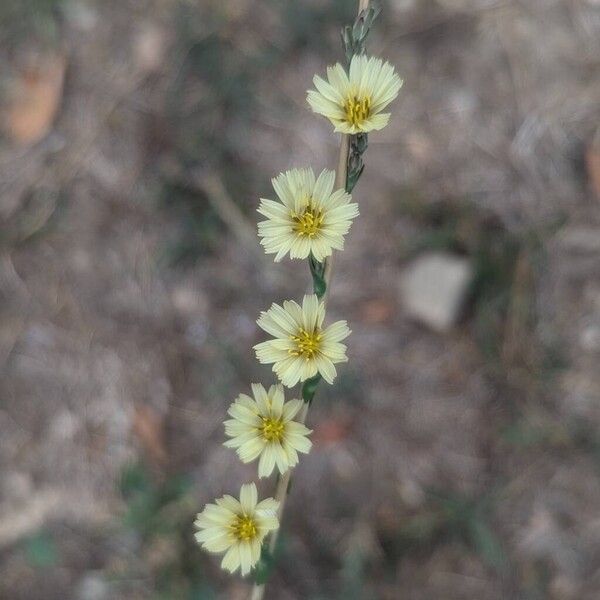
(283, 484)
(340, 182)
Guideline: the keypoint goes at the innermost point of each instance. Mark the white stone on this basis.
(580, 238)
(434, 289)
(589, 338)
(93, 587)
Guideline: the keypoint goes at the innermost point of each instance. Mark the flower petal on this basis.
(248, 497)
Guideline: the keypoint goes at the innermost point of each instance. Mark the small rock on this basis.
(17, 486)
(420, 147)
(411, 492)
(563, 587)
(580, 238)
(455, 5)
(81, 16)
(543, 539)
(149, 47)
(404, 7)
(434, 288)
(64, 426)
(93, 587)
(589, 338)
(189, 301)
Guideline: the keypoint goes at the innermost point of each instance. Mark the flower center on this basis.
(307, 343)
(244, 528)
(272, 429)
(357, 110)
(309, 222)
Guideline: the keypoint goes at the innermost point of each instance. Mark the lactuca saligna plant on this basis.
(307, 219)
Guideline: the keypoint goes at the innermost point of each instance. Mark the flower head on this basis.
(263, 426)
(310, 216)
(353, 101)
(237, 527)
(301, 348)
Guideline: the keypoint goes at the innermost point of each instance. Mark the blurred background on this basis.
(458, 454)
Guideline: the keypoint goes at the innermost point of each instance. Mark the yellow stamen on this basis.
(357, 110)
(309, 222)
(244, 528)
(307, 343)
(272, 429)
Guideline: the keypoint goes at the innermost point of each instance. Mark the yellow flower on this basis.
(263, 426)
(353, 102)
(237, 527)
(301, 348)
(310, 216)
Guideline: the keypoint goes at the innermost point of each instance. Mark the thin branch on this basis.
(228, 211)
